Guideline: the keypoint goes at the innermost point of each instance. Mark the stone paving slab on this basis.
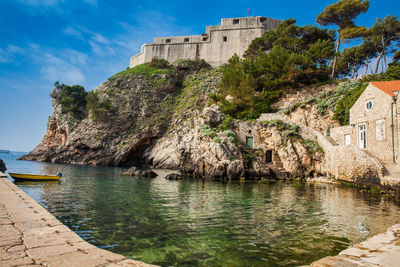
(31, 236)
(379, 250)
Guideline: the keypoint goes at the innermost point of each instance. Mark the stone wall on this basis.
(342, 162)
(378, 144)
(216, 46)
(338, 135)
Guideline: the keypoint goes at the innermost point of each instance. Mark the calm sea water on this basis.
(198, 223)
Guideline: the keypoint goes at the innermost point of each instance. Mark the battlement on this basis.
(215, 46)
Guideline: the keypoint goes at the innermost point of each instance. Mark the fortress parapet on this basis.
(216, 46)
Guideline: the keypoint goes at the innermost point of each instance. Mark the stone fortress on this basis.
(216, 46)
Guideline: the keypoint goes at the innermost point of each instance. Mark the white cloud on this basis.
(100, 39)
(76, 57)
(65, 73)
(101, 50)
(15, 49)
(73, 32)
(9, 54)
(63, 67)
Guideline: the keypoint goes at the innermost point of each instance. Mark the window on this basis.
(263, 19)
(347, 139)
(368, 105)
(186, 40)
(249, 131)
(236, 21)
(225, 38)
(362, 136)
(268, 156)
(205, 38)
(249, 141)
(380, 130)
(168, 41)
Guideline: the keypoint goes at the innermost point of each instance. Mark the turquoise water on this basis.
(197, 223)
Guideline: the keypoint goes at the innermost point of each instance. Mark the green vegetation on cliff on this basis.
(156, 66)
(353, 92)
(287, 57)
(72, 100)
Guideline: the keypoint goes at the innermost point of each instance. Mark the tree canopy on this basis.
(342, 14)
(72, 100)
(287, 57)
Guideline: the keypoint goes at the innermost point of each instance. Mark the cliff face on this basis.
(165, 120)
(134, 110)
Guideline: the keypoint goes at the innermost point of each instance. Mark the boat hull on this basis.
(33, 177)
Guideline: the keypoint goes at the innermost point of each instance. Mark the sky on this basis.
(87, 41)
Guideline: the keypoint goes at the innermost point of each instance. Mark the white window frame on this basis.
(362, 136)
(347, 139)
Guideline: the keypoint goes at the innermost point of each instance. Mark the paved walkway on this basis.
(31, 236)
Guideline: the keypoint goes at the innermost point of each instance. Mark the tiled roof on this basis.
(389, 87)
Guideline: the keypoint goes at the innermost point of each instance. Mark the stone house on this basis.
(374, 126)
(216, 46)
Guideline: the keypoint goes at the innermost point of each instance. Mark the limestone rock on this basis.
(134, 171)
(147, 120)
(213, 115)
(174, 176)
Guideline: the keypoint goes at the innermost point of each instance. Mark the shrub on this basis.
(72, 100)
(207, 131)
(159, 63)
(97, 106)
(160, 66)
(227, 123)
(342, 111)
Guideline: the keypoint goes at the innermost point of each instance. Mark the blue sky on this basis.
(86, 41)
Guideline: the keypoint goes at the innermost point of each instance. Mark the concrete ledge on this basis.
(379, 250)
(30, 235)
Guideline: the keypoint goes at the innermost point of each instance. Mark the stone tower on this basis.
(216, 46)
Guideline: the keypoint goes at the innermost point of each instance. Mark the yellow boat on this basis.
(34, 177)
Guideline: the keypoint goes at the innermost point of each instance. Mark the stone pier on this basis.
(379, 250)
(31, 236)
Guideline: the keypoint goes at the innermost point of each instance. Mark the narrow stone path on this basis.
(31, 236)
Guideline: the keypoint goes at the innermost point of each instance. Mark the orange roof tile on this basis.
(389, 87)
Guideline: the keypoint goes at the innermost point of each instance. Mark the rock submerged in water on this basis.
(2, 166)
(173, 176)
(134, 171)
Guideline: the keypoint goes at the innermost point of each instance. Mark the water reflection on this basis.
(197, 223)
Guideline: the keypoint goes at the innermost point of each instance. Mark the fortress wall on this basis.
(170, 52)
(218, 51)
(137, 60)
(216, 46)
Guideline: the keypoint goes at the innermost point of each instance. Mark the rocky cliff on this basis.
(165, 120)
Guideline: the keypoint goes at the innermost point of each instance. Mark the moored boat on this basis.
(34, 177)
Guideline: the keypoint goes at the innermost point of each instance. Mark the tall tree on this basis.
(383, 35)
(342, 14)
(353, 58)
(396, 56)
